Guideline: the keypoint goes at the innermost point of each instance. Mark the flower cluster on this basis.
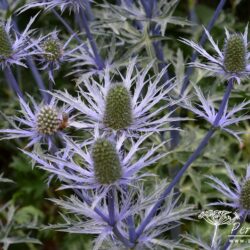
(107, 137)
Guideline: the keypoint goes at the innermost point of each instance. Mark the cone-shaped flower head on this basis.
(52, 48)
(235, 54)
(47, 121)
(245, 195)
(118, 112)
(231, 62)
(133, 106)
(107, 165)
(5, 44)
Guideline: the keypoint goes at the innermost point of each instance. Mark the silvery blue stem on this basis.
(202, 41)
(190, 160)
(78, 21)
(12, 80)
(160, 55)
(98, 60)
(124, 240)
(34, 70)
(4, 4)
(89, 12)
(71, 31)
(86, 199)
(224, 102)
(67, 26)
(147, 5)
(116, 231)
(234, 233)
(131, 228)
(38, 79)
(111, 207)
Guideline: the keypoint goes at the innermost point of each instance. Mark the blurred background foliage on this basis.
(28, 193)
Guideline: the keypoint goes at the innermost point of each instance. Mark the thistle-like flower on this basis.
(130, 105)
(39, 124)
(103, 163)
(52, 53)
(15, 48)
(206, 109)
(237, 196)
(232, 62)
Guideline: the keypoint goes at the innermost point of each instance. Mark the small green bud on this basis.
(47, 121)
(118, 112)
(107, 166)
(245, 195)
(52, 46)
(235, 54)
(5, 44)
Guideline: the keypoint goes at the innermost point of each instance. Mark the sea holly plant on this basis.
(231, 62)
(104, 132)
(40, 123)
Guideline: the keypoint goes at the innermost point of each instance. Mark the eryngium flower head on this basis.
(238, 195)
(15, 46)
(118, 113)
(52, 49)
(38, 123)
(107, 165)
(232, 62)
(245, 195)
(52, 52)
(5, 44)
(235, 54)
(139, 103)
(48, 121)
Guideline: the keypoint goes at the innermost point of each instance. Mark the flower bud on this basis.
(118, 113)
(52, 48)
(235, 54)
(47, 121)
(5, 44)
(107, 166)
(245, 195)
